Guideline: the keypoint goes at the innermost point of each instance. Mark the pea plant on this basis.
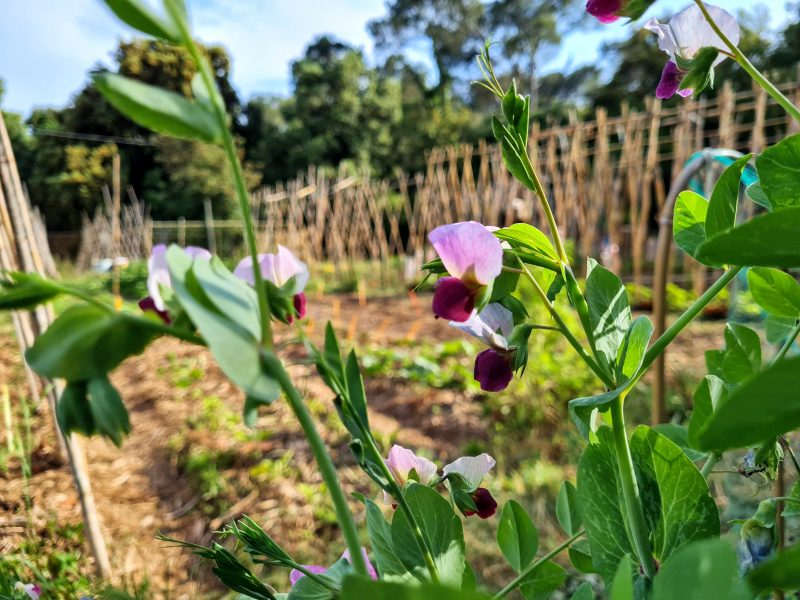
(640, 514)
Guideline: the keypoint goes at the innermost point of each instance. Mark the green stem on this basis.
(397, 494)
(787, 344)
(683, 321)
(630, 491)
(711, 462)
(233, 159)
(548, 212)
(535, 565)
(562, 326)
(751, 70)
(324, 462)
(788, 448)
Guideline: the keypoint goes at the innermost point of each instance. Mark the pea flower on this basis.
(158, 276)
(402, 461)
(683, 37)
(604, 10)
(279, 269)
(31, 589)
(757, 540)
(473, 469)
(494, 367)
(474, 258)
(296, 575)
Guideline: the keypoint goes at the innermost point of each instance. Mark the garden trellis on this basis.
(346, 218)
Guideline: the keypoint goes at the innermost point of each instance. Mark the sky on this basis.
(47, 46)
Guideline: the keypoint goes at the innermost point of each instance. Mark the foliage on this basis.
(640, 515)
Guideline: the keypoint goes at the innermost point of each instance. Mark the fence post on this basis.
(210, 233)
(182, 232)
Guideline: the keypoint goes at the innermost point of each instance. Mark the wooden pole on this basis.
(209, 217)
(17, 250)
(116, 207)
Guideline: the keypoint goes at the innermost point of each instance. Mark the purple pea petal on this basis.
(468, 249)
(196, 252)
(603, 10)
(295, 575)
(401, 461)
(453, 300)
(299, 301)
(670, 82)
(370, 569)
(484, 502)
(148, 305)
(493, 371)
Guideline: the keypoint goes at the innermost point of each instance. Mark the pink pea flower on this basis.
(604, 10)
(473, 469)
(279, 269)
(158, 276)
(296, 575)
(31, 589)
(473, 257)
(402, 461)
(494, 367)
(684, 36)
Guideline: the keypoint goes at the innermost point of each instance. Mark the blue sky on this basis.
(47, 46)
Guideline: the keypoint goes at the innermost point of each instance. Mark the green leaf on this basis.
(631, 354)
(138, 15)
(25, 290)
(359, 588)
(699, 571)
(708, 395)
(756, 193)
(776, 292)
(609, 313)
(73, 412)
(230, 295)
(761, 408)
(700, 69)
(778, 169)
(108, 412)
(742, 353)
(781, 572)
(308, 589)
(584, 592)
(792, 509)
(441, 529)
(582, 410)
(380, 535)
(679, 435)
(234, 348)
(675, 496)
(689, 222)
(580, 555)
(768, 240)
(622, 586)
(567, 509)
(543, 581)
(86, 341)
(778, 328)
(159, 110)
(355, 388)
(528, 238)
(517, 536)
(725, 198)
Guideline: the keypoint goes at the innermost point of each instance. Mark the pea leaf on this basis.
(108, 412)
(631, 353)
(308, 589)
(359, 588)
(742, 356)
(776, 292)
(543, 581)
(159, 110)
(584, 592)
(517, 536)
(138, 15)
(724, 199)
(708, 395)
(441, 529)
(567, 509)
(781, 572)
(768, 240)
(580, 555)
(679, 435)
(86, 341)
(756, 193)
(677, 503)
(701, 570)
(528, 238)
(380, 535)
(688, 222)
(622, 586)
(700, 69)
(761, 408)
(25, 290)
(73, 412)
(778, 167)
(609, 313)
(778, 328)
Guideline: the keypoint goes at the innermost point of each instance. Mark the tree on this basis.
(454, 30)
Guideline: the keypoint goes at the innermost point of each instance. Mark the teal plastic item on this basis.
(749, 175)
